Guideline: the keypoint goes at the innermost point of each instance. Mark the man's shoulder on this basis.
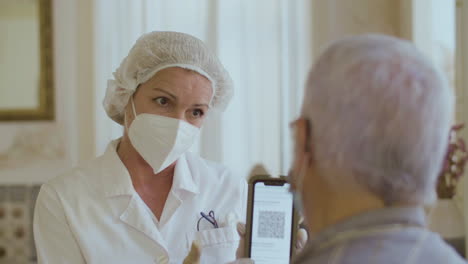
(436, 250)
(419, 246)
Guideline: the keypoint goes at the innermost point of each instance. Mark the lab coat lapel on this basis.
(184, 187)
(137, 217)
(117, 185)
(172, 203)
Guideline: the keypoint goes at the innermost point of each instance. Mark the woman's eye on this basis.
(198, 113)
(163, 101)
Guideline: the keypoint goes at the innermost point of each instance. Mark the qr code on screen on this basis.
(271, 224)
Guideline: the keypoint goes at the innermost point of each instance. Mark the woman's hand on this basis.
(300, 241)
(193, 256)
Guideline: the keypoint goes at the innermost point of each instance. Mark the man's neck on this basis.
(335, 206)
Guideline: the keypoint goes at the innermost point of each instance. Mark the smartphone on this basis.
(271, 221)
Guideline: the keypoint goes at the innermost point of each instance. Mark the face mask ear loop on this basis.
(133, 107)
(125, 113)
(125, 120)
(308, 137)
(213, 88)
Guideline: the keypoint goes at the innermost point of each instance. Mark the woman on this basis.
(142, 201)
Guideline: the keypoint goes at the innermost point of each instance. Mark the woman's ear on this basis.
(128, 113)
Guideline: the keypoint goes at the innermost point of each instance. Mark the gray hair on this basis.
(378, 108)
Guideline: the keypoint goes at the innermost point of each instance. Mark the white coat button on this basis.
(162, 260)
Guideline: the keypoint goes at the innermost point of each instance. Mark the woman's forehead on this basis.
(180, 81)
(169, 73)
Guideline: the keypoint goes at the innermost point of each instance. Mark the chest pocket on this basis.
(219, 245)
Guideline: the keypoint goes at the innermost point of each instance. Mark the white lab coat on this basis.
(94, 215)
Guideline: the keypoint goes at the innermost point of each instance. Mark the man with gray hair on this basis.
(369, 146)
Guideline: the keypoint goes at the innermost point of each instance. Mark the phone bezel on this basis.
(267, 180)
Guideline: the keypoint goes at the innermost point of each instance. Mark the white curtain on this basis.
(264, 44)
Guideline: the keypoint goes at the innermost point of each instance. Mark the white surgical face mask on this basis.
(160, 140)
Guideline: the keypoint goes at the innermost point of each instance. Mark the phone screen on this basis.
(272, 220)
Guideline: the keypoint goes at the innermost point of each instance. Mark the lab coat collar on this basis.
(117, 181)
(136, 216)
(184, 177)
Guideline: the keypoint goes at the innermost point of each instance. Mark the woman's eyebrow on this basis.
(166, 92)
(201, 105)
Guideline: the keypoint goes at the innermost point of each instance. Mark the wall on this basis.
(20, 30)
(33, 152)
(333, 19)
(79, 122)
(462, 83)
(76, 84)
(70, 136)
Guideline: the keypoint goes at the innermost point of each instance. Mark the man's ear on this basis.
(303, 135)
(304, 140)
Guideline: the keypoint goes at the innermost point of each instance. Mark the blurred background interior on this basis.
(56, 57)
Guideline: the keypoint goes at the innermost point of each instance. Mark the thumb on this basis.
(193, 256)
(301, 239)
(241, 229)
(240, 253)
